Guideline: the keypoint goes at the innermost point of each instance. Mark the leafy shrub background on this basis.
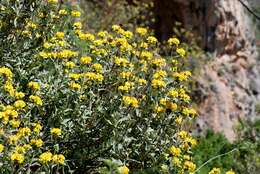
(244, 160)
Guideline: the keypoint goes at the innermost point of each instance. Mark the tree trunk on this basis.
(230, 84)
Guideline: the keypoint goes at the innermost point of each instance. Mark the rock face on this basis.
(230, 84)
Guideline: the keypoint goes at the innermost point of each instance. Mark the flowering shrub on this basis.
(71, 99)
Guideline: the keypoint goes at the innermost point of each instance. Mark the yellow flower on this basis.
(7, 72)
(36, 142)
(25, 131)
(97, 67)
(163, 101)
(123, 170)
(175, 151)
(59, 35)
(102, 34)
(181, 52)
(36, 99)
(19, 149)
(47, 45)
(62, 12)
(94, 76)
(144, 45)
(191, 141)
(88, 37)
(158, 83)
(189, 112)
(16, 157)
(121, 61)
(125, 75)
(127, 34)
(183, 134)
(85, 60)
(178, 120)
(130, 101)
(70, 64)
(56, 131)
(190, 166)
(19, 95)
(77, 25)
(152, 40)
(182, 76)
(19, 104)
(1, 148)
(34, 85)
(173, 93)
(159, 74)
(61, 43)
(215, 171)
(8, 87)
(142, 81)
(159, 109)
(58, 159)
(146, 55)
(27, 147)
(45, 157)
(141, 31)
(172, 106)
(159, 62)
(173, 41)
(15, 123)
(75, 14)
(116, 27)
(123, 88)
(74, 76)
(75, 86)
(64, 54)
(37, 127)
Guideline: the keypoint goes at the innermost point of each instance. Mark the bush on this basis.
(243, 160)
(210, 146)
(71, 99)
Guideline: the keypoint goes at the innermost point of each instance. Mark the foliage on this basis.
(73, 99)
(248, 158)
(209, 146)
(100, 14)
(244, 160)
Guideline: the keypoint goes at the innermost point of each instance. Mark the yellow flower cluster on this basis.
(23, 137)
(63, 54)
(56, 131)
(6, 72)
(180, 155)
(47, 157)
(176, 42)
(182, 76)
(130, 101)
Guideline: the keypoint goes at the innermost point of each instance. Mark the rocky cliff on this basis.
(229, 86)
